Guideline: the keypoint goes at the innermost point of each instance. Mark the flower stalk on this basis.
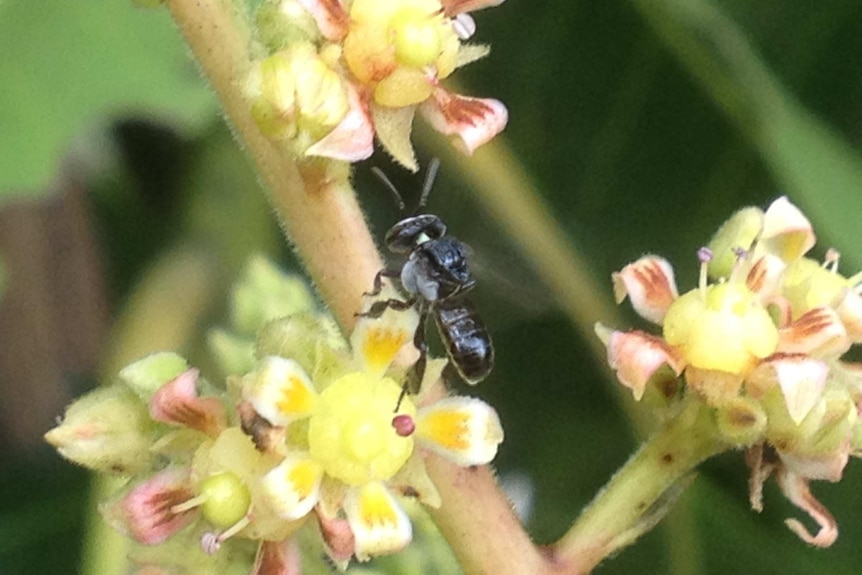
(643, 490)
(315, 204)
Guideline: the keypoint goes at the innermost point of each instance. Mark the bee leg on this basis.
(413, 382)
(378, 281)
(378, 307)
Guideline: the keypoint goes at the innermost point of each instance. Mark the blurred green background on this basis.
(641, 124)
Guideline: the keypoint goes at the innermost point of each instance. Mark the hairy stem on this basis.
(315, 203)
(642, 492)
(320, 216)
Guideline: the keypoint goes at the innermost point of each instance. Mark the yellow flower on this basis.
(346, 448)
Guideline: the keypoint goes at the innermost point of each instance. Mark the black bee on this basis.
(436, 278)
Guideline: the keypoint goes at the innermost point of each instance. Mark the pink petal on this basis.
(278, 558)
(474, 120)
(818, 332)
(146, 514)
(650, 284)
(332, 20)
(795, 488)
(636, 356)
(352, 139)
(177, 403)
(338, 537)
(800, 377)
(454, 7)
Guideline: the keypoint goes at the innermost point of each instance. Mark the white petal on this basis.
(292, 488)
(378, 522)
(474, 121)
(352, 139)
(466, 431)
(800, 377)
(819, 332)
(376, 341)
(636, 356)
(650, 284)
(786, 233)
(279, 390)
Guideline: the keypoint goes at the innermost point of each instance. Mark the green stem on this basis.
(641, 493)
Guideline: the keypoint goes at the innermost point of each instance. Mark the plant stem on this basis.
(315, 204)
(642, 491)
(321, 217)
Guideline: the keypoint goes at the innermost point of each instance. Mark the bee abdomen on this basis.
(466, 339)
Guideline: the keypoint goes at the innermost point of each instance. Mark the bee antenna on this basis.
(430, 176)
(389, 186)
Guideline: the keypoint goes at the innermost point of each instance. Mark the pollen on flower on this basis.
(448, 428)
(296, 397)
(375, 508)
(381, 343)
(304, 477)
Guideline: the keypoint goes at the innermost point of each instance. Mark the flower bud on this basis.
(147, 375)
(226, 499)
(265, 293)
(739, 231)
(300, 96)
(108, 429)
(281, 23)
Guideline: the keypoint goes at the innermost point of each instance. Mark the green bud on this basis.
(739, 231)
(226, 499)
(234, 354)
(147, 375)
(741, 421)
(108, 430)
(294, 337)
(265, 293)
(281, 23)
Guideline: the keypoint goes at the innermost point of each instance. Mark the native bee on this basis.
(435, 279)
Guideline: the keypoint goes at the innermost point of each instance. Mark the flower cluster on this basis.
(339, 73)
(761, 346)
(232, 474)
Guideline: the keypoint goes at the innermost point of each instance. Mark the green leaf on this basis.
(70, 66)
(810, 161)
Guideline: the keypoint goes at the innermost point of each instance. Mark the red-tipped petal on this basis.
(474, 121)
(819, 332)
(650, 284)
(331, 18)
(146, 513)
(177, 403)
(636, 356)
(454, 7)
(278, 558)
(337, 536)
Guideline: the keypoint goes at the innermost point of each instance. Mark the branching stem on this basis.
(322, 219)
